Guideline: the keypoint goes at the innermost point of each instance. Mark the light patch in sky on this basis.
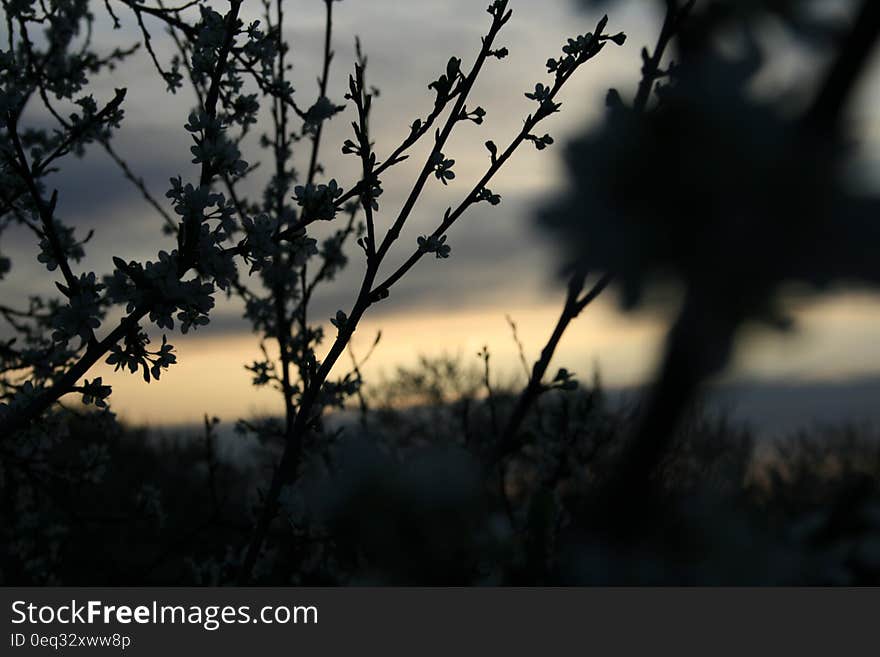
(211, 378)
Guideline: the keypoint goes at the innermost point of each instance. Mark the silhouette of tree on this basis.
(725, 192)
(224, 60)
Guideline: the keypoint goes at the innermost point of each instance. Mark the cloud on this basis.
(499, 264)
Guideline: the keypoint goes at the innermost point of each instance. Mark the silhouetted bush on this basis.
(408, 501)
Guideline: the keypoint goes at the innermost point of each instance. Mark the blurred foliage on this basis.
(406, 500)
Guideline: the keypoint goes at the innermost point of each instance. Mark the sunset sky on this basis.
(500, 265)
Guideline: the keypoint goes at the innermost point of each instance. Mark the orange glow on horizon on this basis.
(210, 376)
